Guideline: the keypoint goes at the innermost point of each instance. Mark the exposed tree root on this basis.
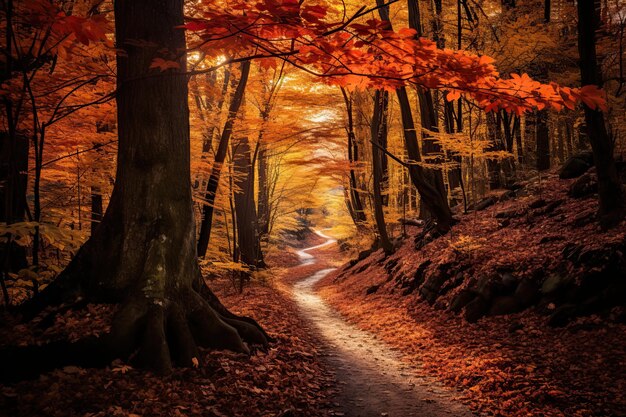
(151, 333)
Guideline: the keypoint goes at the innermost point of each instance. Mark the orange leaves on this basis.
(366, 54)
(65, 31)
(453, 95)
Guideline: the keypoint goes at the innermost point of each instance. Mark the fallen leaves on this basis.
(288, 376)
(525, 370)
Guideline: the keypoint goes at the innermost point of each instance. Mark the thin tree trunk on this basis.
(214, 180)
(612, 204)
(358, 214)
(249, 244)
(377, 169)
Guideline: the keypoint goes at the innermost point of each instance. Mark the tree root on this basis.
(159, 335)
(150, 333)
(227, 315)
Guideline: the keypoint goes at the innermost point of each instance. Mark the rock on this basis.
(555, 283)
(484, 203)
(484, 287)
(509, 282)
(549, 208)
(372, 289)
(432, 286)
(538, 203)
(364, 254)
(508, 214)
(476, 309)
(504, 305)
(463, 298)
(563, 315)
(527, 292)
(515, 326)
(584, 218)
(576, 166)
(550, 238)
(504, 223)
(583, 187)
(507, 195)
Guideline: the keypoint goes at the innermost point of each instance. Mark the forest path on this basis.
(373, 380)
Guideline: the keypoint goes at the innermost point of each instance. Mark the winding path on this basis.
(372, 378)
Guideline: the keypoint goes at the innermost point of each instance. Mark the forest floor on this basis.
(288, 379)
(507, 365)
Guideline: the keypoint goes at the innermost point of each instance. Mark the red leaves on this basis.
(86, 30)
(368, 55)
(593, 97)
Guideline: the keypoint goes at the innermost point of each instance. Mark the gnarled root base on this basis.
(151, 334)
(158, 335)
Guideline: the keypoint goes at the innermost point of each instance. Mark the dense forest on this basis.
(312, 208)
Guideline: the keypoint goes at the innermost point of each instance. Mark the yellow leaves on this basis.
(194, 362)
(60, 238)
(466, 245)
(163, 64)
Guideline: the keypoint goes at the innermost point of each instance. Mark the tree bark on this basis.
(356, 205)
(13, 184)
(377, 132)
(245, 208)
(610, 191)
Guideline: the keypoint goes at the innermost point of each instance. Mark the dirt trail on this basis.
(373, 380)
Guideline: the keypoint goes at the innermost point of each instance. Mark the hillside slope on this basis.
(521, 306)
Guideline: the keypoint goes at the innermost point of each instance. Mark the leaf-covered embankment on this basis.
(541, 242)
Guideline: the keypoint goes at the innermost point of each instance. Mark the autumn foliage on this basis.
(369, 55)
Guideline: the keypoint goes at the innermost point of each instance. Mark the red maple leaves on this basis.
(367, 54)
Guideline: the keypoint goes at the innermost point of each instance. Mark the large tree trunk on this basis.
(612, 204)
(143, 254)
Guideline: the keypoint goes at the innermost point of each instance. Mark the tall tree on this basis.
(212, 185)
(378, 131)
(612, 204)
(356, 205)
(431, 190)
(143, 254)
(245, 208)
